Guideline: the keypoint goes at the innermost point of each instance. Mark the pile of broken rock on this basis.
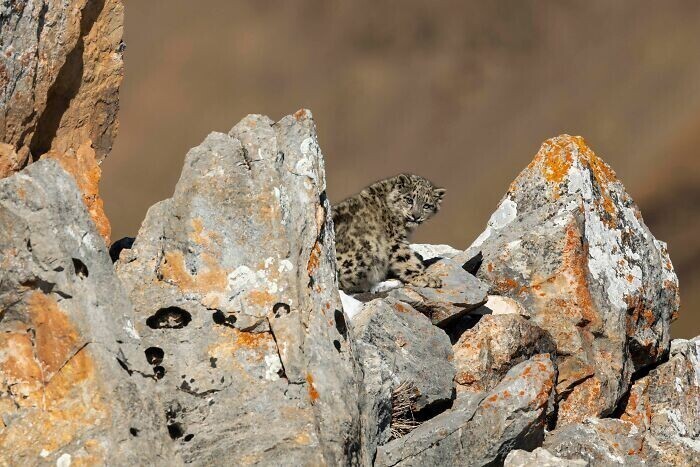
(220, 337)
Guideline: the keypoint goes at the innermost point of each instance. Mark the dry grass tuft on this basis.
(402, 399)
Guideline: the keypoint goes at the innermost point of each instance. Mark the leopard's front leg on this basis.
(407, 266)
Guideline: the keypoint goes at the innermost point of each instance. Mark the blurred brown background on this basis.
(461, 92)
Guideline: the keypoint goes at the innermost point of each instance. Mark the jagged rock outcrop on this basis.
(482, 429)
(223, 338)
(569, 243)
(60, 72)
(484, 354)
(660, 424)
(233, 280)
(65, 326)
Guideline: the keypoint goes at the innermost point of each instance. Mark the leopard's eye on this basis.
(428, 206)
(408, 200)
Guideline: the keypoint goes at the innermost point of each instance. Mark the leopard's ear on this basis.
(402, 181)
(439, 193)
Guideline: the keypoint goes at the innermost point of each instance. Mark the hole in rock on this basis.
(134, 431)
(336, 343)
(120, 245)
(80, 269)
(154, 355)
(189, 437)
(171, 317)
(212, 362)
(280, 308)
(220, 318)
(158, 372)
(175, 430)
(29, 245)
(340, 324)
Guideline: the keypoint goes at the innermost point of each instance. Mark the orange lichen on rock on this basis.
(583, 402)
(54, 383)
(211, 278)
(313, 393)
(314, 259)
(82, 165)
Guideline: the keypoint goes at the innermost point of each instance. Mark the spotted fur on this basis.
(372, 232)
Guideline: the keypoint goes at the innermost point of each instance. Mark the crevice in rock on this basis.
(641, 373)
(66, 85)
(282, 372)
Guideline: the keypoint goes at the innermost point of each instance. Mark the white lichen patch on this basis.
(609, 256)
(131, 330)
(273, 366)
(64, 460)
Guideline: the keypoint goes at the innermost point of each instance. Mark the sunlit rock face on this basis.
(66, 333)
(60, 71)
(569, 243)
(233, 281)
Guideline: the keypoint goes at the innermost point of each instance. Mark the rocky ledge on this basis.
(219, 335)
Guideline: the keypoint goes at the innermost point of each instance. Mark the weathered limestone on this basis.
(540, 457)
(485, 353)
(233, 280)
(395, 345)
(569, 243)
(60, 72)
(66, 326)
(482, 429)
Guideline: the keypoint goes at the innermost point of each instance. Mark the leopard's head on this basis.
(415, 199)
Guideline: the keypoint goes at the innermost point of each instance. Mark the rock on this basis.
(233, 280)
(539, 458)
(412, 348)
(60, 73)
(470, 259)
(66, 327)
(351, 306)
(482, 428)
(569, 243)
(598, 441)
(427, 251)
(396, 345)
(117, 247)
(485, 353)
(460, 293)
(498, 305)
(665, 404)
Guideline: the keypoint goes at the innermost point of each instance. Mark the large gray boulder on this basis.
(569, 243)
(66, 334)
(481, 429)
(233, 281)
(396, 345)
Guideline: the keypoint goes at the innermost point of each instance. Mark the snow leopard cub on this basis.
(372, 230)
